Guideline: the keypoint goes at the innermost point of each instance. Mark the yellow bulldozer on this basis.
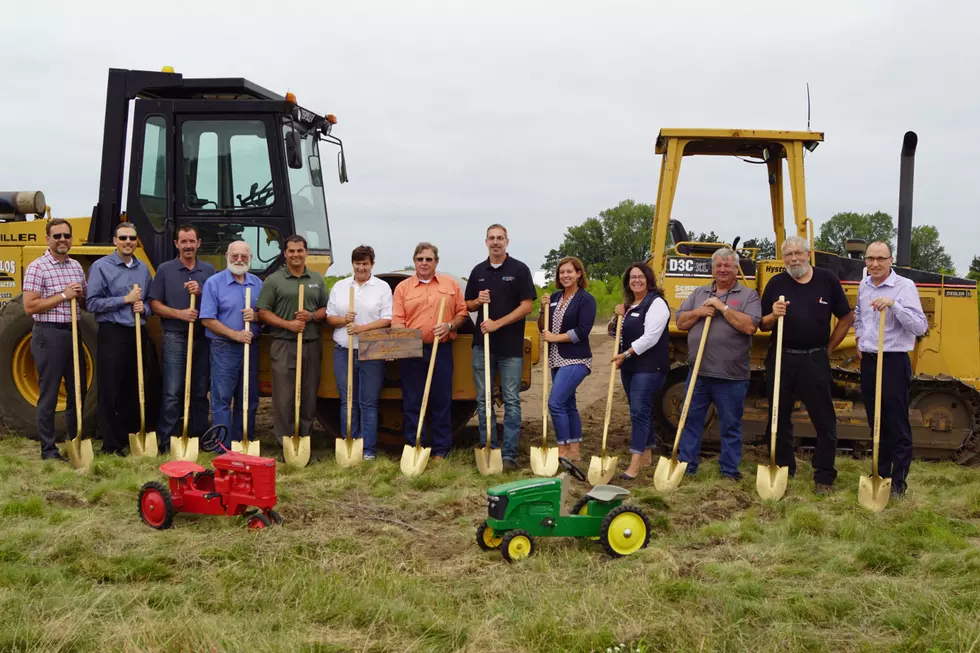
(238, 161)
(945, 403)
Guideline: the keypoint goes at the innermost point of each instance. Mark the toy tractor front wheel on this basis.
(258, 521)
(156, 508)
(517, 545)
(485, 538)
(624, 531)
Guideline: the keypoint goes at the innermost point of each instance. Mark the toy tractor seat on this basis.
(180, 468)
(608, 493)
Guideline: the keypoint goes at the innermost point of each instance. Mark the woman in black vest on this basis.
(644, 359)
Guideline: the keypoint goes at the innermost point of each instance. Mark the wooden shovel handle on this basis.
(612, 380)
(877, 424)
(428, 380)
(139, 366)
(245, 367)
(350, 370)
(775, 391)
(546, 376)
(75, 361)
(299, 366)
(188, 363)
(690, 388)
(487, 390)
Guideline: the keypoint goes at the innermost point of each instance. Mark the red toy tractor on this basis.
(238, 485)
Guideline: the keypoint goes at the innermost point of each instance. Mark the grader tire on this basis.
(18, 376)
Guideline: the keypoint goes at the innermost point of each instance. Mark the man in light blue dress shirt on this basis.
(904, 322)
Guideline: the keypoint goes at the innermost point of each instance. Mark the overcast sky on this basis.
(534, 114)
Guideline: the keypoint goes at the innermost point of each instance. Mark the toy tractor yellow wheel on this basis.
(485, 538)
(624, 531)
(517, 545)
(582, 508)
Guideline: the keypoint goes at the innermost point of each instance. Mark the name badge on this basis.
(554, 303)
(634, 315)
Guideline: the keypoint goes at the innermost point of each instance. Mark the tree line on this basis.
(610, 241)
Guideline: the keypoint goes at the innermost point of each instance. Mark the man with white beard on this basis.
(812, 295)
(231, 326)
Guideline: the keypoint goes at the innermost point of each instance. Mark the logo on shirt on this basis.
(312, 285)
(480, 280)
(734, 301)
(508, 278)
(821, 301)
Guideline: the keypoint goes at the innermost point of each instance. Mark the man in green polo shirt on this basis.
(277, 307)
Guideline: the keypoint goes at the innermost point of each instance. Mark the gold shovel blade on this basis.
(601, 469)
(250, 449)
(185, 449)
(348, 452)
(80, 453)
(488, 462)
(144, 445)
(873, 492)
(771, 482)
(414, 460)
(296, 450)
(544, 461)
(668, 474)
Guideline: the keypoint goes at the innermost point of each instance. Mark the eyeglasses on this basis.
(125, 238)
(238, 257)
(60, 236)
(424, 259)
(876, 259)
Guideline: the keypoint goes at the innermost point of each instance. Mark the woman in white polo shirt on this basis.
(372, 310)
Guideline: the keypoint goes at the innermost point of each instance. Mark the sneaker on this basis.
(510, 465)
(369, 456)
(54, 456)
(823, 489)
(729, 477)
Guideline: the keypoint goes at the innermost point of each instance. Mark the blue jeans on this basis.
(172, 405)
(641, 388)
(366, 385)
(227, 362)
(729, 400)
(561, 402)
(509, 370)
(438, 432)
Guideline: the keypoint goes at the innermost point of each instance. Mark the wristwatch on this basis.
(628, 354)
(724, 309)
(451, 326)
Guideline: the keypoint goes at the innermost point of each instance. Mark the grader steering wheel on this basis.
(570, 467)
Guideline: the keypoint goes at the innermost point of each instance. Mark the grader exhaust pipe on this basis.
(21, 203)
(903, 255)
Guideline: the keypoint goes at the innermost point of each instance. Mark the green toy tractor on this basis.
(522, 510)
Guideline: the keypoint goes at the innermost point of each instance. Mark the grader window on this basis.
(226, 165)
(153, 175)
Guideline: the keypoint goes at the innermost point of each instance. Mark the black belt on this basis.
(804, 351)
(54, 325)
(874, 354)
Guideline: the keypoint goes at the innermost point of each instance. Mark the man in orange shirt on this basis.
(415, 304)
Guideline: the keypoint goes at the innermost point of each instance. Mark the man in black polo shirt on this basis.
(812, 295)
(506, 285)
(170, 298)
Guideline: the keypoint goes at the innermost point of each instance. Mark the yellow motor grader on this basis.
(945, 403)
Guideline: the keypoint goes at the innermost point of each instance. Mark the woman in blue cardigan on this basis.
(571, 317)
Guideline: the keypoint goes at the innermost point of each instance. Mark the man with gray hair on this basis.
(812, 296)
(723, 378)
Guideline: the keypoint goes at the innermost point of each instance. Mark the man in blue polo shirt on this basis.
(170, 298)
(117, 284)
(224, 315)
(506, 285)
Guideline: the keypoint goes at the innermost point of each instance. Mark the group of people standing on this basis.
(811, 296)
(121, 289)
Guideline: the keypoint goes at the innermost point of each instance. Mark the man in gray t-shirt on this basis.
(723, 377)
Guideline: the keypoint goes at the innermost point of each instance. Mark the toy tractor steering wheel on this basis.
(213, 437)
(570, 467)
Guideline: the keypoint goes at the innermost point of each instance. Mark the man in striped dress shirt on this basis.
(50, 283)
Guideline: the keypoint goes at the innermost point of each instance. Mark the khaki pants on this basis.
(283, 355)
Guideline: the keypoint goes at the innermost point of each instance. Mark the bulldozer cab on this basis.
(236, 160)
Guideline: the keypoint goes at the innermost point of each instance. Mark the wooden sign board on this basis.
(382, 344)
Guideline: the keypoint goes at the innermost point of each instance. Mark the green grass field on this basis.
(370, 561)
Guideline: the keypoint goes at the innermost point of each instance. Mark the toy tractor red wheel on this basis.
(258, 521)
(155, 506)
(274, 517)
(517, 545)
(624, 531)
(485, 538)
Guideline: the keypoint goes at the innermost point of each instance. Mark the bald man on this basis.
(231, 326)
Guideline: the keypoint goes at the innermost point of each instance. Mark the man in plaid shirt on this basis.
(50, 283)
